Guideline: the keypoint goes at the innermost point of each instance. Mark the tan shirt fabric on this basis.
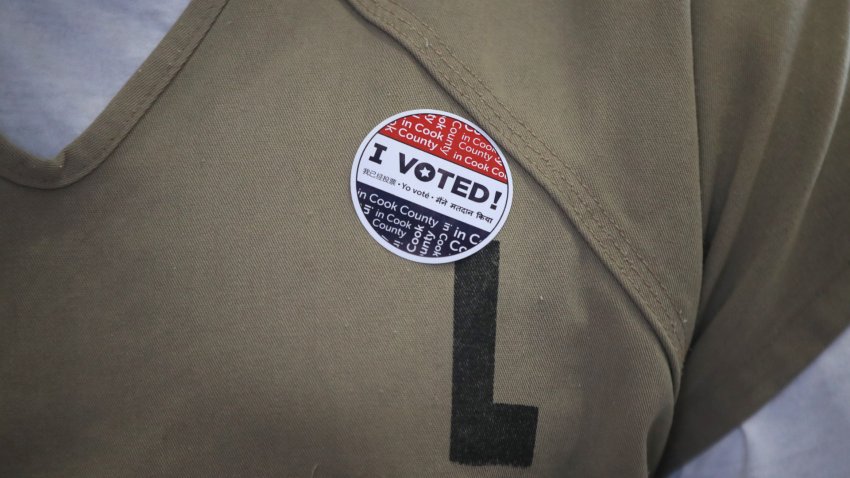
(186, 289)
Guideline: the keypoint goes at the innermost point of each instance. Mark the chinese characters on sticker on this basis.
(430, 186)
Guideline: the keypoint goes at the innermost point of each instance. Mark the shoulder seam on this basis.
(590, 216)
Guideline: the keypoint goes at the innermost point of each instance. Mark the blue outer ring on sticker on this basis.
(431, 186)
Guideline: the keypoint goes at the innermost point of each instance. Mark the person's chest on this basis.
(207, 302)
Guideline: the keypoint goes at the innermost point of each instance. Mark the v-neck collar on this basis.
(119, 117)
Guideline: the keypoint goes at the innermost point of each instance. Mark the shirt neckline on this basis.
(123, 112)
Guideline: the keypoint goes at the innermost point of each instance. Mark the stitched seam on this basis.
(551, 153)
(666, 325)
(156, 91)
(481, 83)
(623, 253)
(146, 101)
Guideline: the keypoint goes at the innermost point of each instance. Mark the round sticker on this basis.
(431, 186)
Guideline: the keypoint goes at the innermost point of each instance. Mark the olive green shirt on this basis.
(186, 290)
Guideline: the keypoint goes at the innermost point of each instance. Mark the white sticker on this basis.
(431, 186)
